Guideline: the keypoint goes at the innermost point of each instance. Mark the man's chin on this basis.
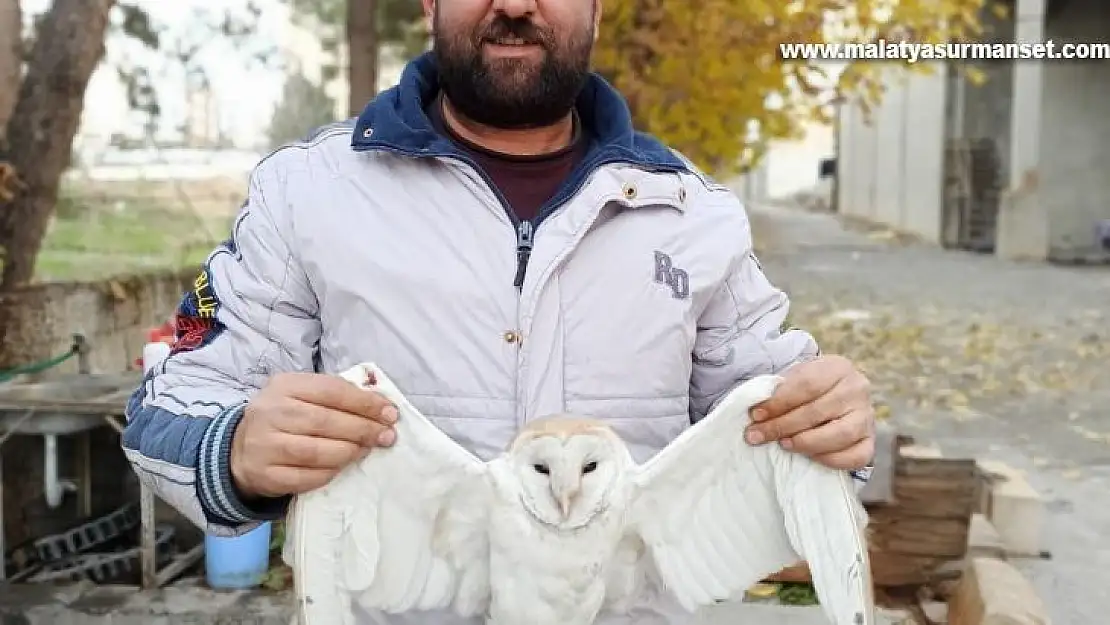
(523, 68)
(512, 85)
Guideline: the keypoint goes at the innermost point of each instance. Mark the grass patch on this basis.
(797, 594)
(90, 238)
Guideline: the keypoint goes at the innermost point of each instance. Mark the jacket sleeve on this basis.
(249, 314)
(741, 335)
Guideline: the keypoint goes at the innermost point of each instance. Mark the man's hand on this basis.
(302, 429)
(822, 410)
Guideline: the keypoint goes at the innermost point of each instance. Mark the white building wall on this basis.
(891, 165)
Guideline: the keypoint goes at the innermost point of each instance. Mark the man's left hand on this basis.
(823, 410)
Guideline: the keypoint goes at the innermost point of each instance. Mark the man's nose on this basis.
(515, 8)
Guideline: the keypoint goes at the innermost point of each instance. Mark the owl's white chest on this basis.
(541, 577)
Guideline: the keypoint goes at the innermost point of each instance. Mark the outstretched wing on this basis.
(403, 529)
(717, 515)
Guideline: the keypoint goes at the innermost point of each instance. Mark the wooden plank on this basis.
(937, 468)
(148, 561)
(179, 565)
(92, 409)
(914, 536)
(797, 574)
(994, 591)
(880, 488)
(929, 497)
(887, 571)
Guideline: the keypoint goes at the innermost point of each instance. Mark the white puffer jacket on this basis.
(641, 301)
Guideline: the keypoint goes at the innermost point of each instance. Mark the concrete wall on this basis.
(1049, 122)
(1075, 132)
(751, 187)
(890, 166)
(791, 166)
(37, 322)
(40, 320)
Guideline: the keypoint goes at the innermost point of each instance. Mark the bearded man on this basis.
(497, 237)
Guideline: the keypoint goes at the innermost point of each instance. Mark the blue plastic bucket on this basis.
(239, 562)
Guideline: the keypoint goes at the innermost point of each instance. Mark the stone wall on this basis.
(38, 322)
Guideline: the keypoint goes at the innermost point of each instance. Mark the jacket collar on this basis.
(395, 121)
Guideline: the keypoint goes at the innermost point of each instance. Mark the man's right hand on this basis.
(301, 429)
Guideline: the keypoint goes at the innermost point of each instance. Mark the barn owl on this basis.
(565, 524)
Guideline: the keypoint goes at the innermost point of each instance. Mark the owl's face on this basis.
(569, 470)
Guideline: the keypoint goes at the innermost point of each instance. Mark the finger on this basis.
(313, 452)
(832, 437)
(806, 417)
(855, 457)
(802, 384)
(283, 480)
(311, 420)
(334, 392)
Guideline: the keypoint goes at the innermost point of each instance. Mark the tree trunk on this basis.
(362, 52)
(11, 58)
(68, 47)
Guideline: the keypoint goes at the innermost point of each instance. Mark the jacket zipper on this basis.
(525, 230)
(525, 235)
(575, 240)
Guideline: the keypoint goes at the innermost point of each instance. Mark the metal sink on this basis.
(64, 404)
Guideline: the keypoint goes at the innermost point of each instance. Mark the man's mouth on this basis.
(511, 41)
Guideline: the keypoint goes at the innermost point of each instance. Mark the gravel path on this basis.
(982, 357)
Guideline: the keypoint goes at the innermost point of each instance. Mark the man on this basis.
(494, 234)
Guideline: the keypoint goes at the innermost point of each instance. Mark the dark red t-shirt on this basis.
(526, 182)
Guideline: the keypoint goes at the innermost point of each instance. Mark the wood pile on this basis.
(920, 507)
(940, 533)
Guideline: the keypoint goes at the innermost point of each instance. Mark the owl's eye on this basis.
(541, 469)
(589, 468)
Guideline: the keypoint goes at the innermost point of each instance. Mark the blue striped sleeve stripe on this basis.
(862, 475)
(215, 487)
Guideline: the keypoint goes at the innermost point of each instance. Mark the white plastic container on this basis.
(153, 354)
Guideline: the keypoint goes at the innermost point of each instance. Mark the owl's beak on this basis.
(564, 494)
(564, 504)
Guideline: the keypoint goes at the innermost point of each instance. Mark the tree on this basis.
(42, 91)
(11, 58)
(362, 53)
(304, 106)
(68, 45)
(698, 73)
(364, 26)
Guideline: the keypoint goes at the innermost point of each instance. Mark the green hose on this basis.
(37, 367)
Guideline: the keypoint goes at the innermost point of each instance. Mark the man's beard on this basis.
(511, 93)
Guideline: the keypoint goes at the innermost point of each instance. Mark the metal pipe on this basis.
(54, 487)
(81, 346)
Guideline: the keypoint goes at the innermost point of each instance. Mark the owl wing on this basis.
(716, 515)
(403, 529)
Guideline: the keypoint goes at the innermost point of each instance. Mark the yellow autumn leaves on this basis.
(697, 73)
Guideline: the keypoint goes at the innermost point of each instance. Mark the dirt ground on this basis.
(982, 357)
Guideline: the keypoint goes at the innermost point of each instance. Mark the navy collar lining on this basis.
(395, 121)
